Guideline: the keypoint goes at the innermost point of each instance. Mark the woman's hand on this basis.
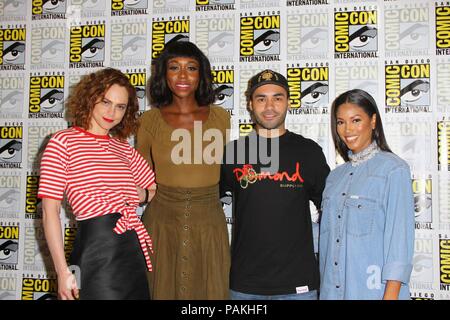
(151, 193)
(67, 286)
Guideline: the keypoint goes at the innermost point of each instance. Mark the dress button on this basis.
(185, 242)
(184, 258)
(183, 289)
(187, 214)
(185, 227)
(339, 217)
(351, 173)
(335, 263)
(343, 193)
(337, 287)
(359, 206)
(337, 240)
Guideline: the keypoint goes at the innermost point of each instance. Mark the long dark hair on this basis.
(365, 101)
(160, 94)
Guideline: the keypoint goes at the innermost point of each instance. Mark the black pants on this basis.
(112, 266)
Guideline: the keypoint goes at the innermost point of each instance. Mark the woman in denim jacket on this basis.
(367, 224)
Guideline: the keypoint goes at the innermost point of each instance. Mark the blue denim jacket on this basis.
(367, 229)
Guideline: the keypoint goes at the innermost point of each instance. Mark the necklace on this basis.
(364, 155)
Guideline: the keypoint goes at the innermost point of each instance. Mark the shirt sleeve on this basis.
(53, 170)
(399, 227)
(144, 141)
(321, 172)
(142, 173)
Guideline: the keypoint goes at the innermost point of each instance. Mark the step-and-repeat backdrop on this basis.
(399, 51)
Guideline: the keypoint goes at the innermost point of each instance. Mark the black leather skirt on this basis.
(111, 266)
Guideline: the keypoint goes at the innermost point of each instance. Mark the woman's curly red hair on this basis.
(91, 89)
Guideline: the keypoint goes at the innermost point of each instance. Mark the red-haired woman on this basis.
(104, 179)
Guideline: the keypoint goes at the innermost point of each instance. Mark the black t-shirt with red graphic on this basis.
(272, 242)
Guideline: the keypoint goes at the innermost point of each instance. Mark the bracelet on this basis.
(146, 196)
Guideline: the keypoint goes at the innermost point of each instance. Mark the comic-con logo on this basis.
(307, 35)
(9, 247)
(9, 196)
(356, 75)
(138, 80)
(48, 9)
(11, 146)
(245, 127)
(46, 96)
(48, 46)
(215, 37)
(442, 15)
(128, 43)
(407, 87)
(38, 288)
(166, 32)
(70, 232)
(11, 95)
(443, 145)
(422, 202)
(406, 31)
(87, 46)
(355, 34)
(422, 273)
(128, 7)
(12, 48)
(206, 5)
(33, 205)
(308, 88)
(259, 38)
(36, 254)
(224, 88)
(444, 264)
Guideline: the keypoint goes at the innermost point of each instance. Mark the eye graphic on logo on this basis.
(313, 93)
(92, 48)
(140, 92)
(9, 199)
(13, 7)
(414, 91)
(314, 39)
(178, 37)
(90, 3)
(52, 100)
(51, 5)
(131, 3)
(14, 52)
(134, 46)
(266, 41)
(47, 296)
(53, 51)
(222, 43)
(421, 264)
(223, 94)
(362, 37)
(8, 250)
(414, 35)
(9, 150)
(422, 202)
(12, 101)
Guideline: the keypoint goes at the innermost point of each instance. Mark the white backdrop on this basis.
(399, 51)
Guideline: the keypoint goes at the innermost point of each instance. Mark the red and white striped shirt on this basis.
(99, 175)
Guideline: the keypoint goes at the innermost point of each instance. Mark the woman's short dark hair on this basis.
(160, 94)
(91, 89)
(366, 102)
